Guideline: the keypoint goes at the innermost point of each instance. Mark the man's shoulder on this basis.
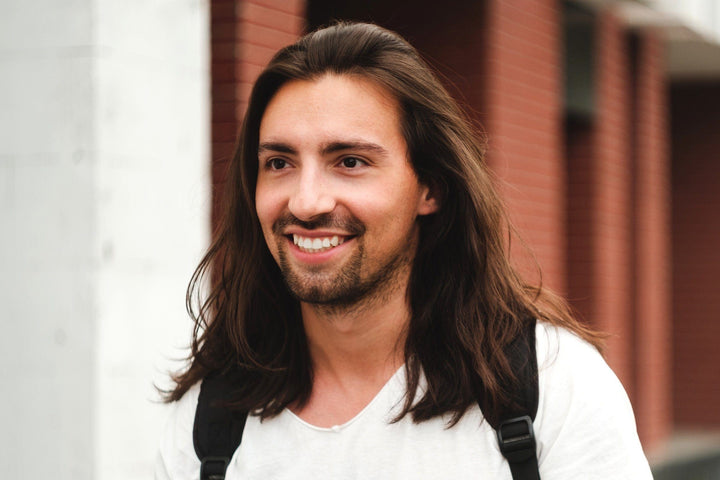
(558, 344)
(176, 457)
(182, 416)
(584, 415)
(188, 402)
(573, 372)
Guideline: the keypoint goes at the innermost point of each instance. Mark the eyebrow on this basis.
(276, 147)
(330, 147)
(333, 147)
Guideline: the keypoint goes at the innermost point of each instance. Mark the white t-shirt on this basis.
(585, 429)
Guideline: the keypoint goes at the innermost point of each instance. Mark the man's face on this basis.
(336, 195)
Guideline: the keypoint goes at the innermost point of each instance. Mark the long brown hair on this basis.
(467, 302)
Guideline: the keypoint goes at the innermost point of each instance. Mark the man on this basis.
(362, 299)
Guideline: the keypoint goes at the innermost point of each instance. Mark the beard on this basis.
(359, 280)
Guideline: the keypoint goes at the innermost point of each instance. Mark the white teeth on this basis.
(314, 245)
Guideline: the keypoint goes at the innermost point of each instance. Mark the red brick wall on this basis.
(696, 253)
(612, 228)
(244, 35)
(224, 91)
(599, 170)
(618, 218)
(651, 255)
(522, 98)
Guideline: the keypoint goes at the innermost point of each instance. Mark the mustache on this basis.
(349, 224)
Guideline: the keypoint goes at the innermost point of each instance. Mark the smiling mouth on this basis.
(317, 244)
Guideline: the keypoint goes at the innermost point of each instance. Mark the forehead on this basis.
(332, 107)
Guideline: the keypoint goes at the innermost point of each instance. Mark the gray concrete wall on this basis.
(104, 211)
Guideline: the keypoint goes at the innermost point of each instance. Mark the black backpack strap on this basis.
(517, 444)
(218, 430)
(515, 433)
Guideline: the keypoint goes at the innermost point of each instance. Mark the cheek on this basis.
(264, 204)
(390, 214)
(268, 209)
(404, 200)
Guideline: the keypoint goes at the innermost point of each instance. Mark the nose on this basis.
(311, 196)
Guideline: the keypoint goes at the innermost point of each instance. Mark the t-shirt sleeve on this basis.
(176, 458)
(585, 423)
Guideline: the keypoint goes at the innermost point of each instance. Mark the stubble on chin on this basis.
(357, 283)
(344, 290)
(316, 285)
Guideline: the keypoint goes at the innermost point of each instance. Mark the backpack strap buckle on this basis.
(213, 468)
(516, 439)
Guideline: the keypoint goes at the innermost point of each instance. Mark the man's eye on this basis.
(351, 162)
(277, 163)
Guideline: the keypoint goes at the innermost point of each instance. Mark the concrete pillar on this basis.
(104, 210)
(47, 275)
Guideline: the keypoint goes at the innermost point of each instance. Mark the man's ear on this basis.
(429, 200)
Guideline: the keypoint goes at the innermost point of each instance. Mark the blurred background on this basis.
(118, 118)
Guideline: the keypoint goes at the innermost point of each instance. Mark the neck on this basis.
(364, 341)
(354, 352)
